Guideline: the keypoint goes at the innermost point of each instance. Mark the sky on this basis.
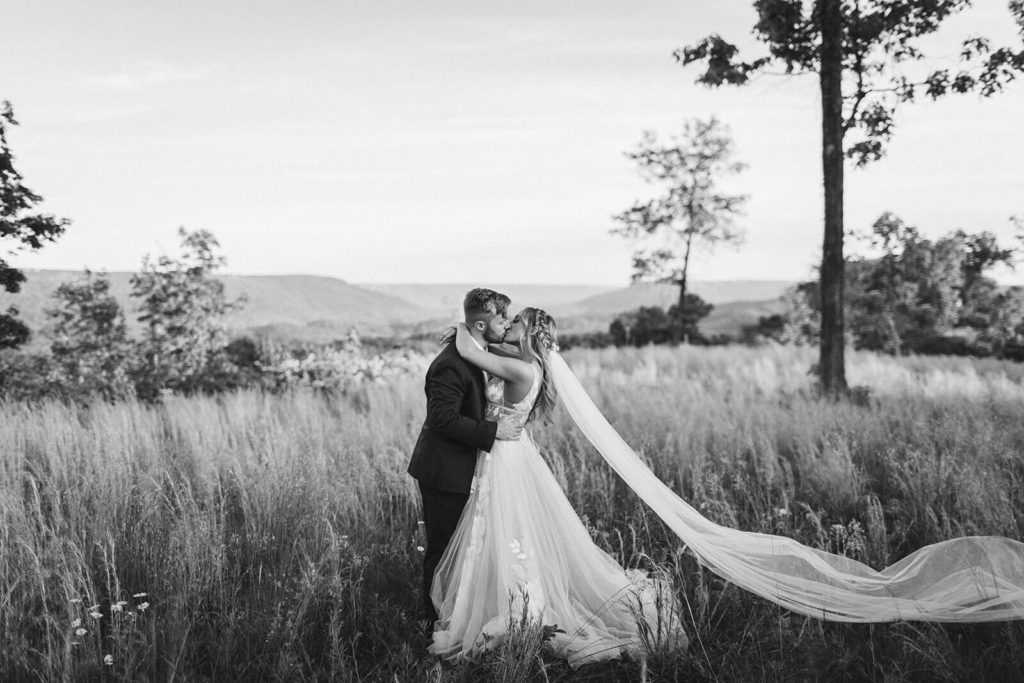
(455, 141)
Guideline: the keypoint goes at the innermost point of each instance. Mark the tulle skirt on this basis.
(520, 554)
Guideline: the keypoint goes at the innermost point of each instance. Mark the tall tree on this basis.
(90, 340)
(692, 210)
(20, 225)
(182, 308)
(860, 50)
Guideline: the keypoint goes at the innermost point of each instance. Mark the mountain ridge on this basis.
(318, 307)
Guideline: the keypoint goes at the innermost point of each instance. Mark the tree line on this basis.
(183, 345)
(911, 294)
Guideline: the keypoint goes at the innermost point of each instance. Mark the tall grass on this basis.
(275, 537)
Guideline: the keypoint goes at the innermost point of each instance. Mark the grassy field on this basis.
(257, 537)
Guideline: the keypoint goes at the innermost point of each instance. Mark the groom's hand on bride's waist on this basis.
(507, 430)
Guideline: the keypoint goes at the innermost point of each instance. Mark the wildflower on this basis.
(74, 600)
(419, 549)
(117, 607)
(76, 623)
(782, 512)
(143, 607)
(80, 632)
(138, 595)
(95, 615)
(109, 660)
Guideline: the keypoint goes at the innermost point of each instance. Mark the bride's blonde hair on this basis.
(540, 338)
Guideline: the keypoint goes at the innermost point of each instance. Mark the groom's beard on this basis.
(492, 338)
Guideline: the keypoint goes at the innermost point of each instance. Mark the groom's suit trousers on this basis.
(441, 512)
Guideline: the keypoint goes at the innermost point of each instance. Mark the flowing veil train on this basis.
(969, 579)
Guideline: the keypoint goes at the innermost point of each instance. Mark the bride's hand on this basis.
(447, 336)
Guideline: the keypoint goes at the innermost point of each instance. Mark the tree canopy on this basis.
(21, 228)
(693, 210)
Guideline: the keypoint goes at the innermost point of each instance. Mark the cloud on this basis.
(149, 74)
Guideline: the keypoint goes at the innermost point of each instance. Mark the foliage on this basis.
(90, 342)
(798, 324)
(879, 52)
(337, 367)
(182, 308)
(20, 224)
(29, 376)
(654, 325)
(692, 211)
(13, 332)
(920, 295)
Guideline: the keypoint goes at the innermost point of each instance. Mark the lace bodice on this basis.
(518, 411)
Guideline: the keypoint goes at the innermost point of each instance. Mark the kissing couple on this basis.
(502, 541)
(505, 547)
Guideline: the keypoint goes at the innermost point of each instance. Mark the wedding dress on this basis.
(520, 551)
(967, 579)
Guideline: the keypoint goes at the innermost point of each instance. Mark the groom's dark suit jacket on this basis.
(445, 454)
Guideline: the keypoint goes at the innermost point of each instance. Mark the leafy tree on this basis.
(21, 225)
(182, 308)
(655, 325)
(29, 376)
(13, 332)
(692, 210)
(798, 324)
(982, 252)
(926, 296)
(90, 341)
(860, 50)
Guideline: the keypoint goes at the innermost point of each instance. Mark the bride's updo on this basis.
(540, 338)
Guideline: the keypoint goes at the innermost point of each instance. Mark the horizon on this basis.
(399, 143)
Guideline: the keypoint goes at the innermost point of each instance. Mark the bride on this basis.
(520, 547)
(520, 551)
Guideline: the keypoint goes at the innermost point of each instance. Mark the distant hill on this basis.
(320, 309)
(730, 318)
(444, 300)
(274, 302)
(647, 294)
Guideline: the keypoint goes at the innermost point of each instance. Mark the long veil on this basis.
(969, 579)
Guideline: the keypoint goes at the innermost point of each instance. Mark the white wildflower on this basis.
(76, 623)
(109, 660)
(782, 512)
(420, 549)
(143, 607)
(95, 615)
(138, 595)
(74, 600)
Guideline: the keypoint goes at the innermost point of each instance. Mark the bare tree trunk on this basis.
(832, 365)
(686, 268)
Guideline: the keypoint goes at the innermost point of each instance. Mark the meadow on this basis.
(258, 536)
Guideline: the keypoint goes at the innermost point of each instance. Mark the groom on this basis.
(444, 458)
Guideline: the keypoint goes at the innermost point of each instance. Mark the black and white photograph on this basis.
(462, 341)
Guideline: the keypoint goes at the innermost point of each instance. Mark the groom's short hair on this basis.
(480, 302)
